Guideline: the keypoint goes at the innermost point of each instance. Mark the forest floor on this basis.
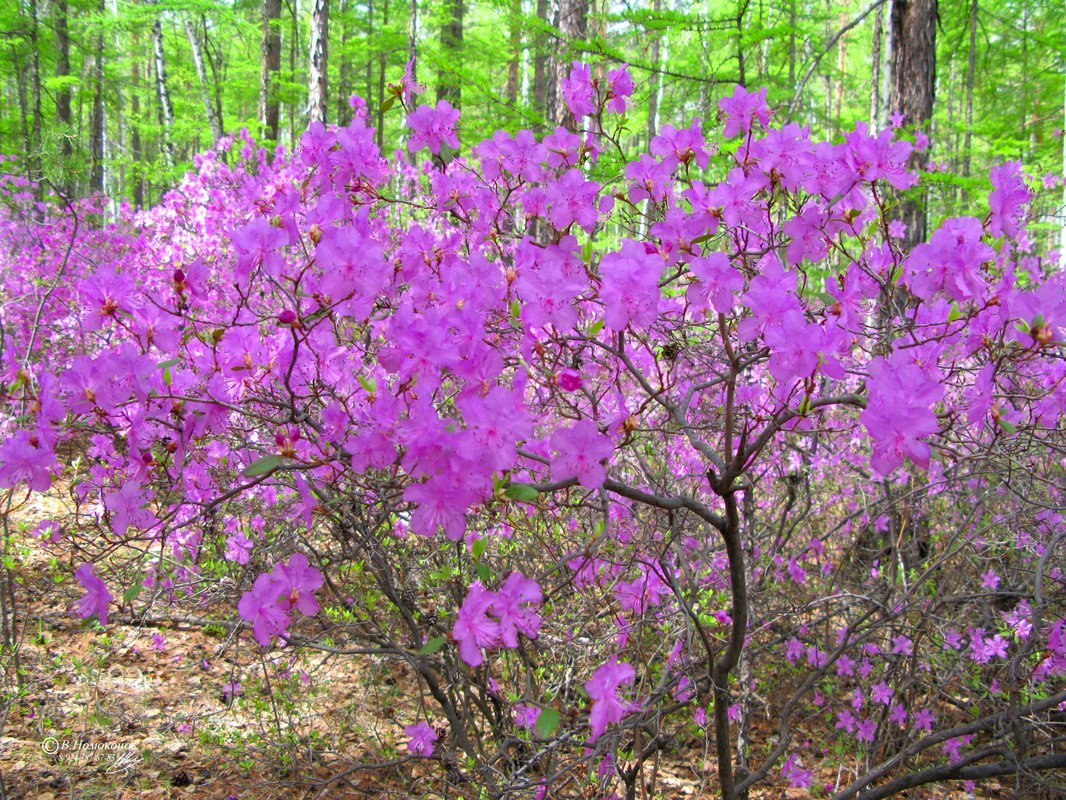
(141, 710)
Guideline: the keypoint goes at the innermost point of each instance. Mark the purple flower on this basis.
(602, 688)
(420, 739)
(474, 629)
(526, 716)
(260, 607)
(94, 603)
(580, 449)
(432, 127)
(741, 109)
(510, 606)
(23, 461)
(298, 581)
(578, 93)
(881, 693)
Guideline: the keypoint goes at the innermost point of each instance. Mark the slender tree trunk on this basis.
(875, 78)
(368, 94)
(344, 72)
(382, 62)
(135, 127)
(317, 80)
(268, 77)
(541, 65)
(213, 122)
(212, 63)
(35, 94)
(913, 87)
(656, 89)
(114, 135)
(742, 8)
(449, 82)
(792, 43)
(97, 120)
(20, 89)
(294, 41)
(63, 119)
(842, 73)
(572, 25)
(516, 49)
(166, 110)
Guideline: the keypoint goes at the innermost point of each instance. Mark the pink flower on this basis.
(602, 688)
(578, 93)
(94, 603)
(420, 739)
(619, 88)
(580, 450)
(273, 595)
(881, 693)
(432, 127)
(990, 580)
(260, 607)
(741, 109)
(23, 461)
(511, 607)
(569, 380)
(526, 716)
(238, 548)
(474, 629)
(298, 581)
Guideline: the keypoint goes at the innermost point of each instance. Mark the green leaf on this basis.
(522, 492)
(368, 383)
(131, 594)
(479, 548)
(547, 722)
(955, 312)
(388, 104)
(432, 646)
(595, 328)
(263, 466)
(483, 572)
(170, 362)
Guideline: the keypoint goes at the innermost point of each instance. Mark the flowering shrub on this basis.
(702, 440)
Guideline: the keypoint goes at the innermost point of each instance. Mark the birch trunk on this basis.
(166, 110)
(317, 86)
(213, 122)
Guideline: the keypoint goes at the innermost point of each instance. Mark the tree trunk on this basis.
(742, 8)
(657, 78)
(913, 86)
(541, 98)
(215, 92)
(63, 119)
(97, 119)
(572, 24)
(968, 136)
(213, 122)
(368, 94)
(268, 77)
(449, 82)
(166, 110)
(317, 79)
(344, 73)
(516, 50)
(382, 62)
(135, 127)
(35, 94)
(875, 78)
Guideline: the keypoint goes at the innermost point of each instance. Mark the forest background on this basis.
(117, 96)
